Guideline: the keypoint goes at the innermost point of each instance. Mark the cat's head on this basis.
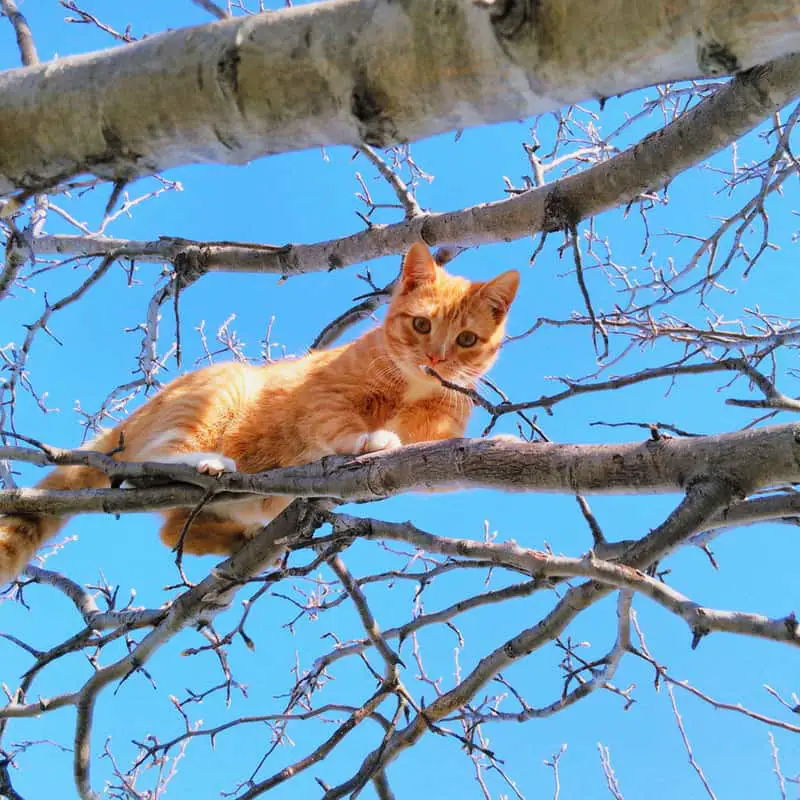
(446, 322)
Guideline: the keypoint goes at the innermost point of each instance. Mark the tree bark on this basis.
(359, 71)
(745, 461)
(708, 127)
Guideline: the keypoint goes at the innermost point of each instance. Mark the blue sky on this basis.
(308, 197)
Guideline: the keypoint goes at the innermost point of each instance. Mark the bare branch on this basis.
(367, 619)
(656, 466)
(697, 505)
(539, 564)
(652, 162)
(212, 8)
(94, 618)
(22, 30)
(200, 602)
(402, 191)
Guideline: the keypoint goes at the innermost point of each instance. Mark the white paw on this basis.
(509, 438)
(376, 441)
(205, 463)
(215, 465)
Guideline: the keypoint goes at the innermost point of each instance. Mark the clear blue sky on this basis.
(308, 197)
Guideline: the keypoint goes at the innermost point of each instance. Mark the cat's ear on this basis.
(500, 292)
(418, 268)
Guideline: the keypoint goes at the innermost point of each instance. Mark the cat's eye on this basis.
(421, 325)
(466, 339)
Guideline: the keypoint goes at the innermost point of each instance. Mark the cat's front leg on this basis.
(429, 421)
(378, 440)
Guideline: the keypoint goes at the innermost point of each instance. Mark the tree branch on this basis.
(681, 523)
(219, 92)
(747, 461)
(201, 602)
(540, 565)
(27, 48)
(711, 125)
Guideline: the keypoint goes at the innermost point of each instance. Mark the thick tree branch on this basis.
(747, 461)
(361, 73)
(713, 124)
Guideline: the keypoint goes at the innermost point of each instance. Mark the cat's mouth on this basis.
(419, 370)
(443, 371)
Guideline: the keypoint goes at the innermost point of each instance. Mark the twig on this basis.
(553, 764)
(597, 327)
(212, 8)
(22, 30)
(367, 619)
(608, 771)
(402, 191)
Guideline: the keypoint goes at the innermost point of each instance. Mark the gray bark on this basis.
(710, 126)
(350, 72)
(745, 461)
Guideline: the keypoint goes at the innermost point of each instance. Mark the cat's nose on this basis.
(433, 358)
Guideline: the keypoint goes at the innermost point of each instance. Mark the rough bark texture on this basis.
(708, 127)
(350, 72)
(743, 461)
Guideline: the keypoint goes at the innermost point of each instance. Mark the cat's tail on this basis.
(21, 535)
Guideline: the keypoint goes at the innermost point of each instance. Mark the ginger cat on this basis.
(365, 396)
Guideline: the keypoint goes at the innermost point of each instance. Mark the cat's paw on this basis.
(508, 438)
(215, 465)
(376, 441)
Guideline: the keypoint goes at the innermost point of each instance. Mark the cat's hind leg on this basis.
(169, 448)
(205, 463)
(221, 530)
(208, 533)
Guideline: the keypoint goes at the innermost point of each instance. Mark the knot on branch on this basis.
(509, 17)
(716, 58)
(560, 212)
(699, 628)
(17, 240)
(737, 485)
(189, 265)
(370, 104)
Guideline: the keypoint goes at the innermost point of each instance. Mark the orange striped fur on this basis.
(365, 396)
